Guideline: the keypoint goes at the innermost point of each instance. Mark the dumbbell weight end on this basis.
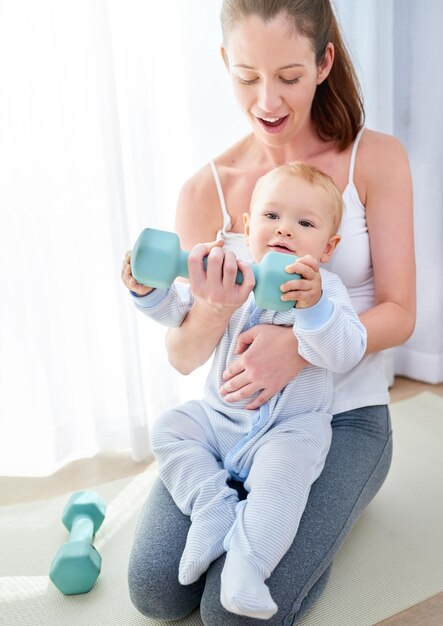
(75, 567)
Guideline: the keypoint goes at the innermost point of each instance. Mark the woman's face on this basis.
(274, 75)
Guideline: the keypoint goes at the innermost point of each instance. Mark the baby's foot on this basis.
(204, 542)
(243, 589)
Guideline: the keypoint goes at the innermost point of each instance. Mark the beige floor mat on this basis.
(392, 560)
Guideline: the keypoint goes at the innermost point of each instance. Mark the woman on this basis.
(294, 81)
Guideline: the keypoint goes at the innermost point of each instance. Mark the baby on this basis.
(278, 450)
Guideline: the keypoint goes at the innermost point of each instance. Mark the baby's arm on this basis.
(330, 333)
(166, 306)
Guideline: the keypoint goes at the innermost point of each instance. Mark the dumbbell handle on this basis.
(82, 529)
(183, 270)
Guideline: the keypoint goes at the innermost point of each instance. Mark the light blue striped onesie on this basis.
(278, 450)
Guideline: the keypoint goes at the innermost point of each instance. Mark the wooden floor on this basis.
(104, 468)
(405, 388)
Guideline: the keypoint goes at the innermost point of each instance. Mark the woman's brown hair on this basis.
(337, 108)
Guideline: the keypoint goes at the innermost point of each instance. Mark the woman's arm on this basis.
(389, 202)
(215, 292)
(191, 345)
(216, 297)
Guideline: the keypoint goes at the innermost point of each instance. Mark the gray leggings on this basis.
(355, 469)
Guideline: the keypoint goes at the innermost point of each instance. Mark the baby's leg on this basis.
(283, 470)
(190, 467)
(210, 525)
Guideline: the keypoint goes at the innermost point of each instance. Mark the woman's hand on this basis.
(268, 361)
(215, 287)
(128, 279)
(216, 297)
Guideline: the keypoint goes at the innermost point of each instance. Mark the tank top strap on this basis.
(221, 197)
(353, 155)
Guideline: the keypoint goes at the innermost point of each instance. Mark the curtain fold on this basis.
(62, 391)
(94, 148)
(394, 44)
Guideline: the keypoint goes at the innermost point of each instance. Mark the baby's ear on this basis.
(330, 247)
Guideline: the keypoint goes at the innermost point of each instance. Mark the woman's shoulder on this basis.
(199, 185)
(198, 215)
(379, 152)
(199, 204)
(379, 157)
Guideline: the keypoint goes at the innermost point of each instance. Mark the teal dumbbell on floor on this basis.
(157, 260)
(77, 564)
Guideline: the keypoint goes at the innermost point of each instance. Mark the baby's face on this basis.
(290, 215)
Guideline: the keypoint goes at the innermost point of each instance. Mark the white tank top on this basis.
(366, 384)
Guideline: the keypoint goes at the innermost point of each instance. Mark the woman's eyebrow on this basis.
(284, 67)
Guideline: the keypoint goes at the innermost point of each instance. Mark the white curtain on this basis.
(397, 45)
(96, 141)
(106, 107)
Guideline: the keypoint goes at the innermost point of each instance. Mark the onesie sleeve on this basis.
(168, 307)
(330, 334)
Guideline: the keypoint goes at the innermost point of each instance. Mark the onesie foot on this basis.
(243, 589)
(204, 542)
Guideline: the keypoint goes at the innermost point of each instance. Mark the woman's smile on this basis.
(273, 125)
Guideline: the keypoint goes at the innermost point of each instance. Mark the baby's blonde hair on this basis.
(313, 175)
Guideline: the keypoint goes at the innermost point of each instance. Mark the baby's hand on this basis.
(307, 290)
(129, 281)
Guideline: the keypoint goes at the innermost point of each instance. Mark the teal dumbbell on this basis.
(77, 564)
(157, 260)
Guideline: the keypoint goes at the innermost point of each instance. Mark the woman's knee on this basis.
(155, 591)
(159, 540)
(140, 583)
